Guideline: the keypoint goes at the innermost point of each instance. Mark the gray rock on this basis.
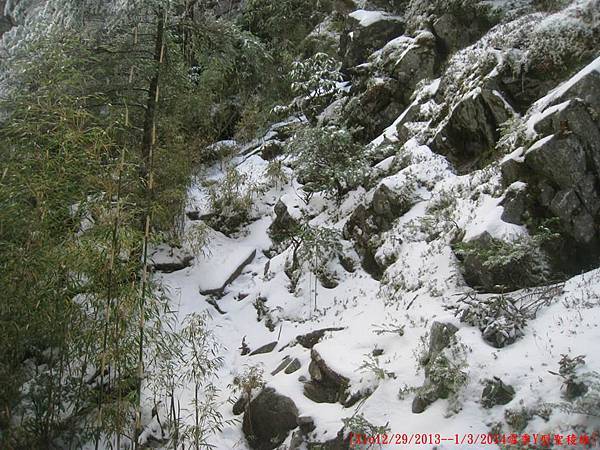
(284, 363)
(308, 340)
(471, 132)
(440, 337)
(268, 420)
(496, 392)
(512, 170)
(284, 224)
(359, 42)
(515, 206)
(267, 348)
(293, 366)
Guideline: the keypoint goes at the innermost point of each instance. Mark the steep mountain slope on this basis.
(446, 293)
(449, 310)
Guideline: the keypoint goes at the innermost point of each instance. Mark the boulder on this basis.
(366, 223)
(469, 135)
(268, 420)
(496, 392)
(367, 32)
(373, 110)
(168, 259)
(284, 224)
(284, 363)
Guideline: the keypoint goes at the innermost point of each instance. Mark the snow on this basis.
(368, 18)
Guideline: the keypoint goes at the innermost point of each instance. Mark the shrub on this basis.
(357, 425)
(284, 22)
(502, 319)
(315, 81)
(328, 160)
(231, 200)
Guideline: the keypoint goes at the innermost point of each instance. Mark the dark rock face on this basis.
(359, 42)
(268, 420)
(471, 132)
(562, 172)
(366, 223)
(461, 29)
(496, 392)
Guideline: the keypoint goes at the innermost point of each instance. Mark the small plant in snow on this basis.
(231, 200)
(502, 318)
(393, 328)
(371, 364)
(513, 134)
(249, 382)
(568, 371)
(275, 173)
(358, 425)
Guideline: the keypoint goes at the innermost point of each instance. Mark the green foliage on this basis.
(359, 425)
(231, 200)
(284, 23)
(314, 81)
(503, 258)
(371, 364)
(328, 160)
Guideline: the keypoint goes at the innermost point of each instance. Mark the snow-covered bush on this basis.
(496, 265)
(314, 82)
(501, 322)
(361, 429)
(327, 160)
(502, 318)
(231, 201)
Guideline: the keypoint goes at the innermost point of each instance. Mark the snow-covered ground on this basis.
(361, 305)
